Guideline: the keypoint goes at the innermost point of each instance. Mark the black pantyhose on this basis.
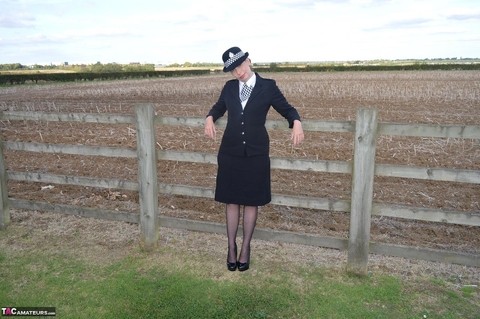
(249, 221)
(233, 220)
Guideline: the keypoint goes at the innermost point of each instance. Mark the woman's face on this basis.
(243, 72)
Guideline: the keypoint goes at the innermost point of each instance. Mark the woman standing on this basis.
(243, 177)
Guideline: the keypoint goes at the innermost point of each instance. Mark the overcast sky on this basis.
(178, 31)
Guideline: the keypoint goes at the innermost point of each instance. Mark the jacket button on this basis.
(244, 142)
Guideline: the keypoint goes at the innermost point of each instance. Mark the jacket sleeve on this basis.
(220, 107)
(281, 105)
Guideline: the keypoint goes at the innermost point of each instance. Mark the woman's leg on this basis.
(232, 212)
(249, 221)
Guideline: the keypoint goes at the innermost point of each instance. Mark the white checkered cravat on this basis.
(245, 92)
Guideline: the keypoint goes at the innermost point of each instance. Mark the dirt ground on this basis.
(436, 97)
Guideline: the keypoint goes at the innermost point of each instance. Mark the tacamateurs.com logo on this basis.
(28, 311)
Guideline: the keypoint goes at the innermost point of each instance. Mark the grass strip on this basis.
(134, 287)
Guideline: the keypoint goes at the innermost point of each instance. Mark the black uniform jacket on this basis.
(245, 134)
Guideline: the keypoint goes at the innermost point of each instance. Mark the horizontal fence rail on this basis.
(338, 167)
(393, 129)
(71, 149)
(427, 130)
(70, 117)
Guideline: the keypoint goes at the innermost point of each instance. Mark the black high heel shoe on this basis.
(232, 266)
(244, 266)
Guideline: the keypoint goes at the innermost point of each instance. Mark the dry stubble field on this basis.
(443, 97)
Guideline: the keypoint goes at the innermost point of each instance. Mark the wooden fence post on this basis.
(362, 190)
(4, 206)
(147, 175)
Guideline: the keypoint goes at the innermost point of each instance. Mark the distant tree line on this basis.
(96, 68)
(114, 68)
(21, 78)
(11, 67)
(273, 67)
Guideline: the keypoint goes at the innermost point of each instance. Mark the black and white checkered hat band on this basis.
(233, 58)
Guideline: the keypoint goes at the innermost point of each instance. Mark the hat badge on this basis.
(230, 54)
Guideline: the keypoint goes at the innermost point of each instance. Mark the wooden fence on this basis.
(361, 206)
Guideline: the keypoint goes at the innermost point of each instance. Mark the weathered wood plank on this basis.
(4, 202)
(362, 190)
(71, 149)
(310, 165)
(180, 156)
(130, 217)
(185, 121)
(314, 126)
(194, 191)
(430, 130)
(427, 214)
(147, 175)
(328, 204)
(328, 126)
(433, 174)
(73, 180)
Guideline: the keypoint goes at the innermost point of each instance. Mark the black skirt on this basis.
(243, 180)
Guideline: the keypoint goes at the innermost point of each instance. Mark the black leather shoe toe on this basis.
(231, 266)
(243, 266)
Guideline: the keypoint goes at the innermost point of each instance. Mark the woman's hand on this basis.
(210, 130)
(297, 133)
